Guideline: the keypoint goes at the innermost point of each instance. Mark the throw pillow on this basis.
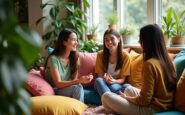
(135, 77)
(180, 62)
(87, 66)
(56, 105)
(36, 85)
(180, 93)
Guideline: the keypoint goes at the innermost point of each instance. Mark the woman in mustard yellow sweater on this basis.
(112, 64)
(159, 76)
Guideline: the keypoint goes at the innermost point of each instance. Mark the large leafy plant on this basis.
(168, 23)
(179, 26)
(76, 16)
(57, 22)
(18, 49)
(54, 20)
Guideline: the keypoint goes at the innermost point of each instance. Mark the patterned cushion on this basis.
(36, 85)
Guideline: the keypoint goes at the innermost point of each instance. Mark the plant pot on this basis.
(112, 26)
(91, 36)
(178, 40)
(167, 40)
(126, 39)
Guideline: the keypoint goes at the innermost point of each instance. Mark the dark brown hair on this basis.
(60, 49)
(106, 53)
(152, 40)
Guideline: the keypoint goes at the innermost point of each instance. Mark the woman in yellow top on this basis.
(159, 78)
(112, 64)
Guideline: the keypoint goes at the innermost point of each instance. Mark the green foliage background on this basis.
(18, 49)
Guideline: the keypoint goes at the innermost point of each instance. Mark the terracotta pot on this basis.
(178, 40)
(112, 26)
(92, 36)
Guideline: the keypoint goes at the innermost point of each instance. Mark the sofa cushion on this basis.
(180, 93)
(180, 62)
(36, 85)
(56, 105)
(135, 77)
(170, 113)
(87, 66)
(91, 97)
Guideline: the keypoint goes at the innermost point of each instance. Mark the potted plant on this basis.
(89, 45)
(179, 28)
(92, 32)
(127, 32)
(112, 20)
(167, 25)
(56, 22)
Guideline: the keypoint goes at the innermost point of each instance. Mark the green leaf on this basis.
(54, 12)
(86, 3)
(29, 43)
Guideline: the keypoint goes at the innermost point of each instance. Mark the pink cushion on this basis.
(37, 86)
(87, 66)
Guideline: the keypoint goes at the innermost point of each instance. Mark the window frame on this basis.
(154, 12)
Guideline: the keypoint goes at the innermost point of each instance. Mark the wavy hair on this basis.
(60, 49)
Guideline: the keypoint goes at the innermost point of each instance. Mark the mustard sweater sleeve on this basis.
(99, 64)
(147, 89)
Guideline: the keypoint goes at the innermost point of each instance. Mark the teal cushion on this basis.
(50, 50)
(91, 97)
(180, 62)
(170, 113)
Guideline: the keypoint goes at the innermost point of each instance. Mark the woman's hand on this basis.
(86, 79)
(108, 78)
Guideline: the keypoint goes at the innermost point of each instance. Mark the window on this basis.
(176, 4)
(137, 12)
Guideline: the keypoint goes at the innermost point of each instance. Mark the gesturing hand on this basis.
(86, 79)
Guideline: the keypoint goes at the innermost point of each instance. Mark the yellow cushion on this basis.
(56, 105)
(135, 77)
(180, 93)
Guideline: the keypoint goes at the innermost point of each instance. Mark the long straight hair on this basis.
(60, 49)
(152, 40)
(106, 53)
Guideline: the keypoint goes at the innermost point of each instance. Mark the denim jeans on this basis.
(74, 91)
(101, 86)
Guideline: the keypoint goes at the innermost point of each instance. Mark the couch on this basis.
(40, 89)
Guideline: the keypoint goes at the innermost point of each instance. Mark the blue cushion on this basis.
(91, 97)
(170, 113)
(180, 62)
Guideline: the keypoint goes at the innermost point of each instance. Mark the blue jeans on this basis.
(74, 91)
(101, 86)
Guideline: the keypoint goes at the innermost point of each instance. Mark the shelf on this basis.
(171, 48)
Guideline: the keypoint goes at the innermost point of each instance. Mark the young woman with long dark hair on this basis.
(159, 84)
(62, 67)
